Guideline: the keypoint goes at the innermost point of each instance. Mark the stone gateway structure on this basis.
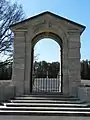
(65, 32)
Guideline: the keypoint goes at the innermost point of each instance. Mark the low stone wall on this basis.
(84, 91)
(7, 90)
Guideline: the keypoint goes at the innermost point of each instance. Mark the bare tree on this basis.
(10, 13)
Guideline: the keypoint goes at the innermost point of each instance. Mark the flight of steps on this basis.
(45, 105)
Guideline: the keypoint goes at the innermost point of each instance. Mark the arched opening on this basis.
(46, 74)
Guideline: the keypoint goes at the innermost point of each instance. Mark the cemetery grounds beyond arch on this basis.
(59, 41)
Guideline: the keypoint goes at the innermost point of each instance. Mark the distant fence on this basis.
(47, 85)
(50, 84)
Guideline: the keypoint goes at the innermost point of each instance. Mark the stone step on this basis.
(36, 105)
(44, 101)
(44, 98)
(44, 104)
(45, 108)
(57, 95)
(51, 113)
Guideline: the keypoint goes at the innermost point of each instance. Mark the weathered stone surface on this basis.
(84, 93)
(19, 62)
(74, 44)
(74, 53)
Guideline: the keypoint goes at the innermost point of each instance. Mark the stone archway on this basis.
(59, 41)
(69, 32)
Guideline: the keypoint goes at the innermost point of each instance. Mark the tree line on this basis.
(43, 69)
(85, 69)
(6, 70)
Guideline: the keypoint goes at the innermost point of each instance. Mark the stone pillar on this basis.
(18, 65)
(28, 63)
(65, 81)
(74, 62)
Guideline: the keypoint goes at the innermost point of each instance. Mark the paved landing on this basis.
(42, 118)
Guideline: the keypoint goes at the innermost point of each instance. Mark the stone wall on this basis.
(84, 91)
(7, 90)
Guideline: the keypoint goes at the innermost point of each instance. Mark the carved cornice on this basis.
(73, 32)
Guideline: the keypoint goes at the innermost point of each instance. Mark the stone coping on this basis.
(6, 83)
